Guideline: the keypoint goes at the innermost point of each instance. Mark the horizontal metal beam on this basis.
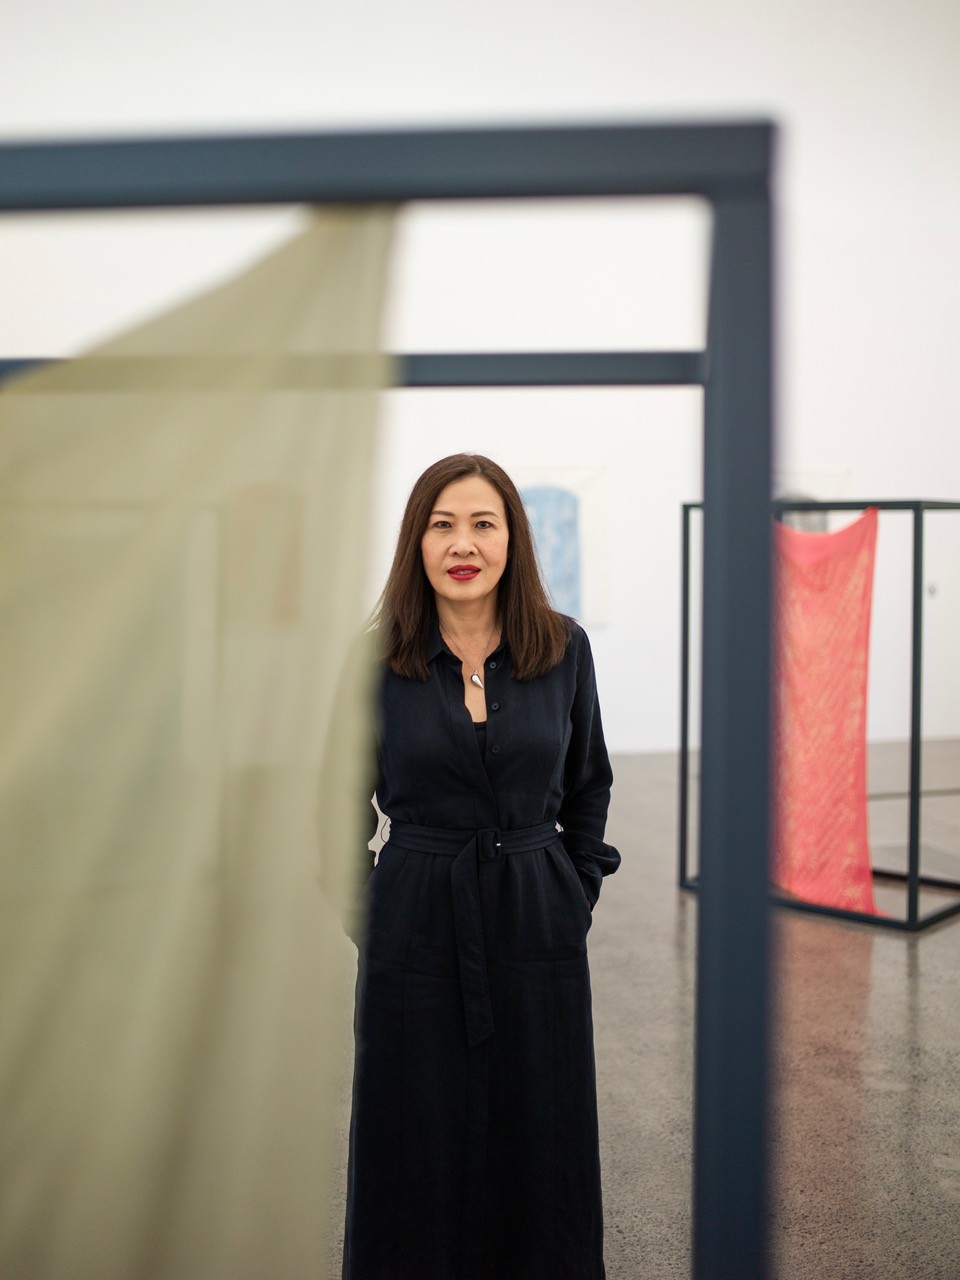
(937, 917)
(431, 164)
(446, 369)
(882, 504)
(552, 369)
(881, 921)
(12, 368)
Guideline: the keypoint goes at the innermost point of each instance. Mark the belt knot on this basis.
(469, 849)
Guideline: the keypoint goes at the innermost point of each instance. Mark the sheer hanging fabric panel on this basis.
(824, 595)
(183, 519)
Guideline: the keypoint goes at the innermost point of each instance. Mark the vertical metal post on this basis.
(683, 815)
(730, 1229)
(916, 717)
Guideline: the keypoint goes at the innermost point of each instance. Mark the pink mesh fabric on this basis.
(824, 592)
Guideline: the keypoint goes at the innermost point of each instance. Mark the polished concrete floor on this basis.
(867, 1045)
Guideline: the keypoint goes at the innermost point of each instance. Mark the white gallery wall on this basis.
(868, 99)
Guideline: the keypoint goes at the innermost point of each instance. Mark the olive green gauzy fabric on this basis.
(183, 518)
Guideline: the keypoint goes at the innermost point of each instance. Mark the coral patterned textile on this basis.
(824, 591)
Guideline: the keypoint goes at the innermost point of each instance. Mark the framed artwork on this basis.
(568, 507)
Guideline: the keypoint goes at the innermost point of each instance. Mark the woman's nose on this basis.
(463, 544)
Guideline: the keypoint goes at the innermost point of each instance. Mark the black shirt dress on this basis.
(473, 1142)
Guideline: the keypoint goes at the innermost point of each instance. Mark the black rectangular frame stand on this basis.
(730, 165)
(913, 879)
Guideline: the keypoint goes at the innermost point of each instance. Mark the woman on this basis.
(473, 1142)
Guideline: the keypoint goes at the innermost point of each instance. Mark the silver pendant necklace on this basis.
(475, 678)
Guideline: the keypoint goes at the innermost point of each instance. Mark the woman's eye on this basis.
(484, 524)
(441, 524)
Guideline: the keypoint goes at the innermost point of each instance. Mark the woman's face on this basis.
(464, 547)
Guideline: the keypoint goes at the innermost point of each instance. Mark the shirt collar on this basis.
(435, 645)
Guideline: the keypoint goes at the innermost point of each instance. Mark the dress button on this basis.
(495, 706)
(492, 666)
(495, 750)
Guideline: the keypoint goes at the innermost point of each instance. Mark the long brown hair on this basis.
(535, 633)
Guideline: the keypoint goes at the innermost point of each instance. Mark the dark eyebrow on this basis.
(474, 516)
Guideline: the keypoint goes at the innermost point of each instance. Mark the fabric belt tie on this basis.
(469, 849)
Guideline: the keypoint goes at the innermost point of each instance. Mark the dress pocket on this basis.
(391, 898)
(576, 891)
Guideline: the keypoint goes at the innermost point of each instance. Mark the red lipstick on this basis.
(463, 572)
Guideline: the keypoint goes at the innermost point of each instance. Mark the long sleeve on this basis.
(587, 781)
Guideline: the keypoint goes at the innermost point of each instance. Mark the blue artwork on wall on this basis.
(555, 516)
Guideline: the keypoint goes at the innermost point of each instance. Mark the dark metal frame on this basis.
(730, 165)
(913, 921)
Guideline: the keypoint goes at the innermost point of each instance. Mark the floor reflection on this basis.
(821, 1046)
